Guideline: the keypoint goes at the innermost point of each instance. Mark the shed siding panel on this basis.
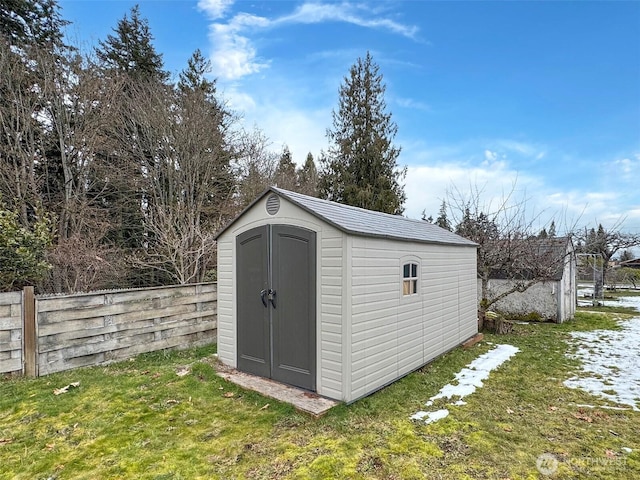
(226, 304)
(330, 368)
(394, 334)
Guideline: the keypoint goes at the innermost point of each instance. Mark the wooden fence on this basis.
(55, 333)
(10, 332)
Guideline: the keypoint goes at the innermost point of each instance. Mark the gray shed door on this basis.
(276, 298)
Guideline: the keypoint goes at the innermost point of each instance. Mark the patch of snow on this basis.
(629, 302)
(610, 361)
(468, 379)
(430, 417)
(585, 299)
(585, 292)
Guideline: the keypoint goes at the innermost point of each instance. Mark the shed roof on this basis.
(369, 223)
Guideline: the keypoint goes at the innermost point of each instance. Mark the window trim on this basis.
(411, 266)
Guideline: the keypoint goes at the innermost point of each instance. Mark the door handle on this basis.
(263, 294)
(272, 297)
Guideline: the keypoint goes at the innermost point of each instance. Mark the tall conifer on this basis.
(361, 166)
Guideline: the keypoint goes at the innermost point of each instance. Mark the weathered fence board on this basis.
(47, 334)
(10, 332)
(97, 328)
(46, 315)
(53, 340)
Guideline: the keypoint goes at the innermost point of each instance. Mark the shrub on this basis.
(22, 250)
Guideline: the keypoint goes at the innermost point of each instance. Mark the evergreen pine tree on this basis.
(428, 219)
(308, 177)
(361, 166)
(442, 220)
(34, 64)
(128, 56)
(130, 50)
(193, 78)
(626, 255)
(286, 171)
(198, 101)
(32, 22)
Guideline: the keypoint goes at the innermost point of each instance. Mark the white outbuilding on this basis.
(551, 296)
(336, 299)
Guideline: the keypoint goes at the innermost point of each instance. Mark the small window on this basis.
(410, 279)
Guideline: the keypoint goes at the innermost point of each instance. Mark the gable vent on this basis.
(273, 204)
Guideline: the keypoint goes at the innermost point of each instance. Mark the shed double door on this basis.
(276, 303)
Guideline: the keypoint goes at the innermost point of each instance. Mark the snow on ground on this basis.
(468, 379)
(585, 298)
(629, 302)
(611, 360)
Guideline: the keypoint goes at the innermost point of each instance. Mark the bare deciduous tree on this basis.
(624, 277)
(82, 263)
(22, 142)
(255, 167)
(605, 243)
(178, 145)
(507, 247)
(53, 118)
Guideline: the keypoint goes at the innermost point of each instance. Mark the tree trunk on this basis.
(598, 286)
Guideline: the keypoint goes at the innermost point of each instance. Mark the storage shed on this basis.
(336, 299)
(553, 297)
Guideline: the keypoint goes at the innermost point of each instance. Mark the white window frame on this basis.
(412, 281)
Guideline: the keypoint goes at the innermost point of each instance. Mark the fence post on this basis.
(30, 356)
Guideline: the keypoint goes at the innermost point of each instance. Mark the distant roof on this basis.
(369, 223)
(633, 263)
(553, 251)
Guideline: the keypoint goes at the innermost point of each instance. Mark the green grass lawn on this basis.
(139, 419)
(607, 309)
(622, 292)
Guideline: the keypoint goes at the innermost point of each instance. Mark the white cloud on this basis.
(412, 104)
(490, 156)
(426, 186)
(592, 208)
(494, 159)
(633, 217)
(215, 8)
(234, 55)
(238, 101)
(529, 150)
(302, 130)
(627, 168)
(485, 165)
(355, 14)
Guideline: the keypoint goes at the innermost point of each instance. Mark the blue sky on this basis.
(543, 95)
